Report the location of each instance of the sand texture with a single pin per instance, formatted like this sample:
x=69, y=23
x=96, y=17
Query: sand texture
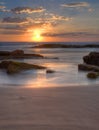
x=70, y=108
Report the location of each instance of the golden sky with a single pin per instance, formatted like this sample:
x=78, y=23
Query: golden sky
x=48, y=21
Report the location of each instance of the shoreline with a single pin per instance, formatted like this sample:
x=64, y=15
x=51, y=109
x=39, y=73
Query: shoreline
x=49, y=108
x=35, y=86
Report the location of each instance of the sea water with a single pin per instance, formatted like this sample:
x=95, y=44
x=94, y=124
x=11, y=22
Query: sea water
x=65, y=67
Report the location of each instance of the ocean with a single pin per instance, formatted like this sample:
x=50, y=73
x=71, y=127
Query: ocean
x=65, y=67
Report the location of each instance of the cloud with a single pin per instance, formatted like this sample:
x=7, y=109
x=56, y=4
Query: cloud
x=15, y=20
x=12, y=32
x=29, y=10
x=18, y=26
x=2, y=7
x=4, y=10
x=61, y=18
x=71, y=34
x=90, y=10
x=20, y=10
x=12, y=29
x=51, y=19
x=18, y=23
x=75, y=5
x=15, y=28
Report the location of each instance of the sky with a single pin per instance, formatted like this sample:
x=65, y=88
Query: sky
x=49, y=20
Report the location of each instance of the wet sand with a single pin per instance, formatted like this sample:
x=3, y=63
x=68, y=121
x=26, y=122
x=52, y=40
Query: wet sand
x=66, y=108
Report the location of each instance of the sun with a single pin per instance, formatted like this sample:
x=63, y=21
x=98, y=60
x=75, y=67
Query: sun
x=37, y=36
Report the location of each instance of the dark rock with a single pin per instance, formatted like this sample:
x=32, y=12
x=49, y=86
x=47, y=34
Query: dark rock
x=33, y=55
x=15, y=67
x=4, y=53
x=18, y=54
x=57, y=58
x=92, y=75
x=25, y=56
x=50, y=71
x=86, y=67
x=49, y=46
x=5, y=64
x=92, y=58
x=56, y=45
x=91, y=64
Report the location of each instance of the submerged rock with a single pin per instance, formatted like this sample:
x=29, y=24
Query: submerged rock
x=4, y=53
x=50, y=71
x=56, y=45
x=5, y=64
x=18, y=54
x=92, y=75
x=86, y=67
x=15, y=67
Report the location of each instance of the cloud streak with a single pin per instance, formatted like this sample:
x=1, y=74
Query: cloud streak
x=29, y=10
x=71, y=34
x=75, y=5
x=15, y=20
x=61, y=18
x=12, y=32
x=2, y=7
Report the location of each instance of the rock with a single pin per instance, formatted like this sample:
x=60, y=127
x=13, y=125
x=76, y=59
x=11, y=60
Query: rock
x=92, y=75
x=15, y=67
x=49, y=46
x=4, y=53
x=92, y=58
x=50, y=71
x=86, y=67
x=91, y=64
x=5, y=64
x=25, y=56
x=33, y=56
x=57, y=58
x=56, y=45
x=17, y=53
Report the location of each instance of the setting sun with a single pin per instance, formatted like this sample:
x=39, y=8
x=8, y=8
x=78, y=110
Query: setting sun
x=37, y=36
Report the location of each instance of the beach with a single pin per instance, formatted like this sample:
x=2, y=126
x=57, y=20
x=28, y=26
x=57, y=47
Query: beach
x=36, y=100
x=49, y=65
x=65, y=108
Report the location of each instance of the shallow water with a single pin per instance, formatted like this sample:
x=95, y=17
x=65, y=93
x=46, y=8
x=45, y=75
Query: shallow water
x=66, y=74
